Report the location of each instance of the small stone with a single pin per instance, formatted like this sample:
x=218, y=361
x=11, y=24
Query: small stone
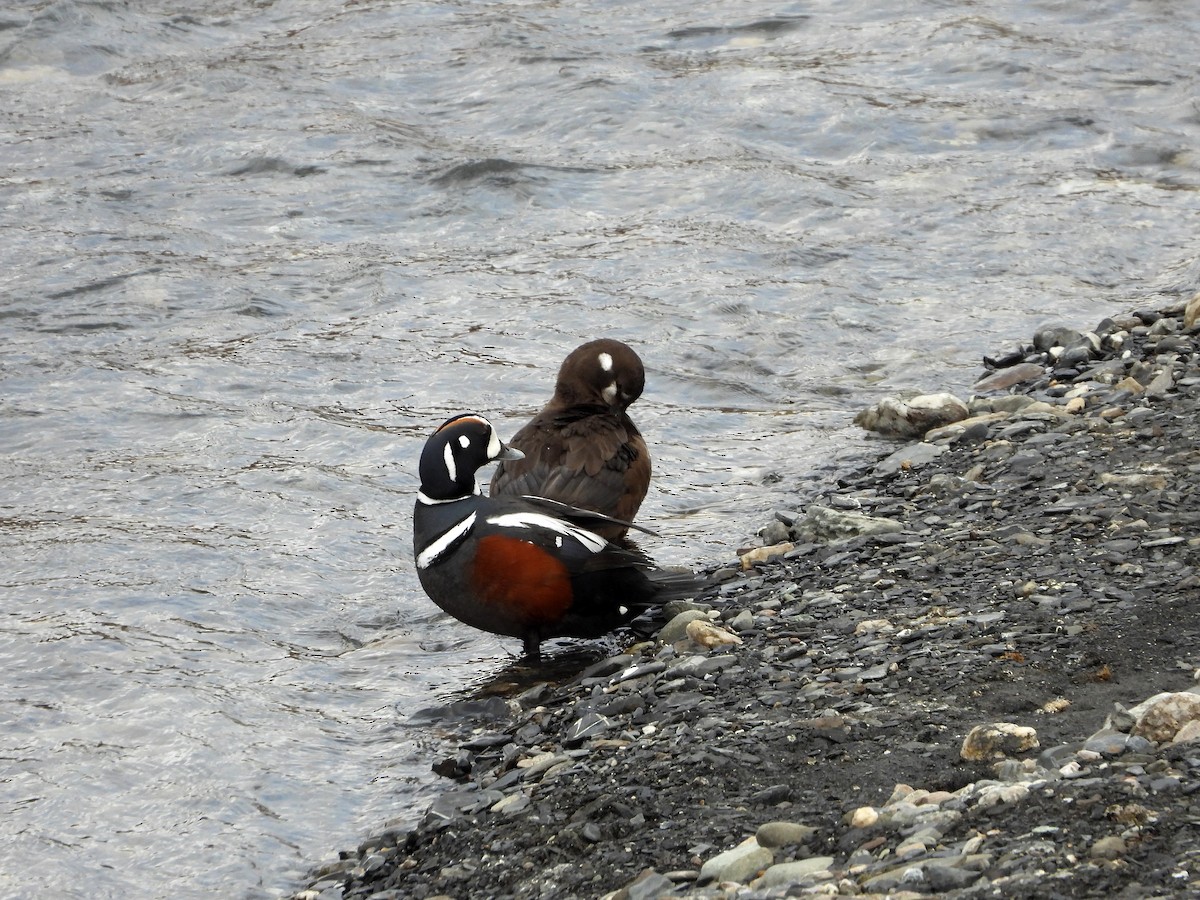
x=762, y=554
x=743, y=621
x=706, y=634
x=511, y=805
x=782, y=834
x=997, y=740
x=787, y=873
x=911, y=418
x=648, y=885
x=1006, y=378
x=1134, y=482
x=942, y=878
x=911, y=457
x=1130, y=385
x=740, y=864
x=1107, y=742
x=676, y=629
x=1188, y=733
x=864, y=817
x=588, y=725
x=1160, y=384
x=1110, y=847
x=824, y=525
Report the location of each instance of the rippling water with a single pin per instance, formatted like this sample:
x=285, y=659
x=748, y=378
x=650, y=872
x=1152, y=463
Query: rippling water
x=252, y=254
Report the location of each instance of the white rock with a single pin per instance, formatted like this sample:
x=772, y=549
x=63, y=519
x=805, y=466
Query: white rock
x=740, y=864
x=911, y=418
x=1162, y=716
x=997, y=740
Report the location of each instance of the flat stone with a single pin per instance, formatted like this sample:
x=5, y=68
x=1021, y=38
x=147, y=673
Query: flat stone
x=782, y=874
x=782, y=834
x=911, y=457
x=740, y=863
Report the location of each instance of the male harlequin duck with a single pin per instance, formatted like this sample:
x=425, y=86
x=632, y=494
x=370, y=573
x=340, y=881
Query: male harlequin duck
x=582, y=449
x=522, y=566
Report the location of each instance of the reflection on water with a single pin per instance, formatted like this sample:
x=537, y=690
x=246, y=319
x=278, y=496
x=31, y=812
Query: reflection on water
x=254, y=253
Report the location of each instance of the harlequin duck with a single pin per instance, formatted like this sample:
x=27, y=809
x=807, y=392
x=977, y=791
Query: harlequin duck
x=522, y=566
x=582, y=449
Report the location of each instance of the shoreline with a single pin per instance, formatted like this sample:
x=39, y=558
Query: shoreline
x=1031, y=570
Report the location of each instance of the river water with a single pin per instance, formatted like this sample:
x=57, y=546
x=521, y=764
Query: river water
x=252, y=254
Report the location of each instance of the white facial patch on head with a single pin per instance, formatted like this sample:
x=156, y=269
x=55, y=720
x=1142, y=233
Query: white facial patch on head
x=494, y=448
x=589, y=539
x=606, y=362
x=451, y=468
x=464, y=441
x=609, y=393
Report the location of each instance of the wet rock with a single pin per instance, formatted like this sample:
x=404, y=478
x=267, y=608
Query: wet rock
x=911, y=418
x=908, y=458
x=822, y=524
x=1191, y=314
x=1010, y=377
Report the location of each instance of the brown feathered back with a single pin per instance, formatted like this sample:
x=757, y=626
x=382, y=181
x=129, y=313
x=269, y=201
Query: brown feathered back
x=582, y=448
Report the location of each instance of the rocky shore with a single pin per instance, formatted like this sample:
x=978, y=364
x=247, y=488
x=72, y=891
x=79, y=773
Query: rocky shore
x=969, y=671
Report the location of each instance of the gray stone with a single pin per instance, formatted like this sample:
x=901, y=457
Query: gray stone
x=740, y=864
x=822, y=524
x=943, y=878
x=782, y=874
x=676, y=629
x=648, y=886
x=781, y=834
x=911, y=457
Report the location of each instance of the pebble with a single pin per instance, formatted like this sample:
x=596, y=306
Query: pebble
x=782, y=834
x=997, y=740
x=912, y=418
x=740, y=863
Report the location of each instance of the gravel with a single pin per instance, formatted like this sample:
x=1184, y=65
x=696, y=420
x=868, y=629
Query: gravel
x=967, y=671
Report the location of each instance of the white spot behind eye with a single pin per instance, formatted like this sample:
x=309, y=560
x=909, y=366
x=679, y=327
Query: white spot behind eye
x=606, y=362
x=464, y=441
x=609, y=393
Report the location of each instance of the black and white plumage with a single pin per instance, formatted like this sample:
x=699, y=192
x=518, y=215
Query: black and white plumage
x=522, y=566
